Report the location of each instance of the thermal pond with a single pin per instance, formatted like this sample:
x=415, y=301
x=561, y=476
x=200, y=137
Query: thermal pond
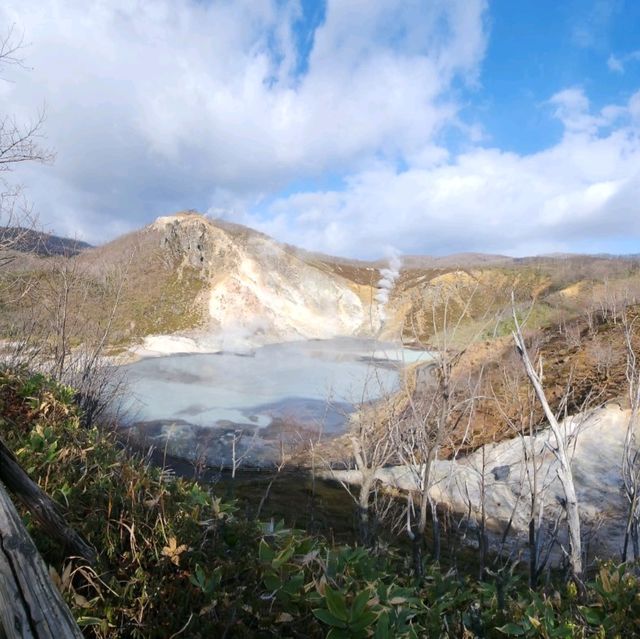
x=215, y=407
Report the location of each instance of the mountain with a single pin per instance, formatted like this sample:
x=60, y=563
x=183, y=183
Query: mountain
x=38, y=243
x=221, y=285
x=256, y=285
x=188, y=283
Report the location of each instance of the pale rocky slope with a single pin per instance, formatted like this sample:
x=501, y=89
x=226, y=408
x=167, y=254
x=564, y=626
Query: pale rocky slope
x=258, y=291
x=253, y=290
x=597, y=440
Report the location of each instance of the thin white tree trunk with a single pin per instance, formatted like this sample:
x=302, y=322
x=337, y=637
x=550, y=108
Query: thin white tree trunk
x=631, y=452
x=564, y=467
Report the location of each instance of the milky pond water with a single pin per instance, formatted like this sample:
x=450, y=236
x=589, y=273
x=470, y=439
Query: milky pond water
x=211, y=407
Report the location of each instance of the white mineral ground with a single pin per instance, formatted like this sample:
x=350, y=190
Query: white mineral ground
x=596, y=449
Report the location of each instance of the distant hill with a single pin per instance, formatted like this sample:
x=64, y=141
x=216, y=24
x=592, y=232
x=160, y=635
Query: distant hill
x=456, y=260
x=39, y=243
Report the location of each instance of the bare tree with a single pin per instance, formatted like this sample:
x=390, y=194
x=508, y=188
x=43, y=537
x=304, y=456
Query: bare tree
x=560, y=451
x=572, y=333
x=604, y=356
x=370, y=448
x=631, y=450
x=440, y=405
x=77, y=320
x=239, y=456
x=516, y=404
x=18, y=141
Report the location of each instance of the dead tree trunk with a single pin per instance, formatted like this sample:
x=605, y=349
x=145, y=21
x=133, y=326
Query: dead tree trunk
x=42, y=507
x=631, y=451
x=365, y=517
x=30, y=605
x=565, y=474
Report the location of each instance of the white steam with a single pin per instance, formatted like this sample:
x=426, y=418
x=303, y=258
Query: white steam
x=388, y=277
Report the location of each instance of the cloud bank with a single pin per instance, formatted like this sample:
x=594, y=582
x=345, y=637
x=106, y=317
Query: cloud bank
x=331, y=135
x=585, y=187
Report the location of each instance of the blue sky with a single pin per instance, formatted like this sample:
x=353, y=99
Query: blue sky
x=351, y=127
x=539, y=48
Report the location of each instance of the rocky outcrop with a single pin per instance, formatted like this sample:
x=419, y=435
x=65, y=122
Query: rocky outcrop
x=260, y=291
x=194, y=242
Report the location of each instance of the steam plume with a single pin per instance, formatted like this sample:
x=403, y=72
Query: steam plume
x=388, y=277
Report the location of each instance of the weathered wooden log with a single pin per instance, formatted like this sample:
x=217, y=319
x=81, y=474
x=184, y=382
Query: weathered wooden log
x=31, y=606
x=42, y=507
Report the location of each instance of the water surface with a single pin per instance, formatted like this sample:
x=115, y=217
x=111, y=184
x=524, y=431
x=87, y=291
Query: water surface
x=203, y=403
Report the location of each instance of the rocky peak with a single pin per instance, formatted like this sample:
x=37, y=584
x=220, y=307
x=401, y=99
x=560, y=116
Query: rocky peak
x=195, y=242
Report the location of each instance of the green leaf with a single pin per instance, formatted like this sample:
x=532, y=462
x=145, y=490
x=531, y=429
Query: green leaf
x=565, y=631
x=593, y=616
x=359, y=604
x=283, y=557
x=272, y=582
x=382, y=627
x=326, y=617
x=364, y=621
x=83, y=622
x=265, y=552
x=294, y=585
x=198, y=579
x=512, y=629
x=336, y=603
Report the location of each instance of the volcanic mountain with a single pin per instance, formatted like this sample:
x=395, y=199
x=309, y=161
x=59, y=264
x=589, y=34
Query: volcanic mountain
x=187, y=283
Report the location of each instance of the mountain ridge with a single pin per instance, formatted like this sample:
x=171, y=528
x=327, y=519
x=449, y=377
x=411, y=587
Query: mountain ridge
x=26, y=240
x=43, y=243
x=194, y=283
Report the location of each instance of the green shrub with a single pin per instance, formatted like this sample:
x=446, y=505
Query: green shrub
x=175, y=558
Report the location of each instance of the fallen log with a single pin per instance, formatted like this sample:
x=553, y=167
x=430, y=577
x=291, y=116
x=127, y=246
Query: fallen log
x=31, y=606
x=44, y=510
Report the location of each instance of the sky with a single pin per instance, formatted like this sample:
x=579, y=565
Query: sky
x=352, y=127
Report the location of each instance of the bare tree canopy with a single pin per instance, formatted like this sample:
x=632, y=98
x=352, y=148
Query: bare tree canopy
x=19, y=143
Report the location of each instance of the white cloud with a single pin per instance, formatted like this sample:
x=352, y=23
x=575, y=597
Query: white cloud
x=573, y=109
x=586, y=186
x=591, y=27
x=617, y=64
x=167, y=104
x=158, y=106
